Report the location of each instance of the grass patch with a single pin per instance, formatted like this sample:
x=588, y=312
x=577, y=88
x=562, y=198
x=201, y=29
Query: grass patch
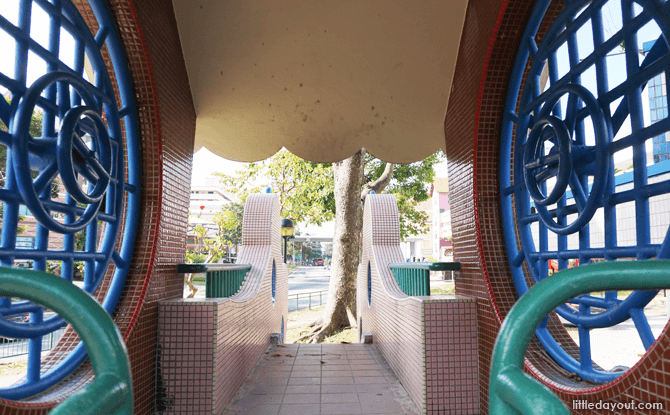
x=199, y=280
x=444, y=289
x=299, y=321
x=17, y=367
x=308, y=315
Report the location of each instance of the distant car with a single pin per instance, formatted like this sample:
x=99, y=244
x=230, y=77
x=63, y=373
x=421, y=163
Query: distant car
x=319, y=262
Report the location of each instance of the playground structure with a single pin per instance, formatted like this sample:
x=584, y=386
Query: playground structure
x=533, y=145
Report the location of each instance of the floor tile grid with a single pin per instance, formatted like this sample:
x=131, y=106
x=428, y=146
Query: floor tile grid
x=370, y=387
x=297, y=397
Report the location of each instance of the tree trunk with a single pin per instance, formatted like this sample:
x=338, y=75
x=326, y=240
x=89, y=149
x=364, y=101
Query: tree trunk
x=188, y=280
x=341, y=309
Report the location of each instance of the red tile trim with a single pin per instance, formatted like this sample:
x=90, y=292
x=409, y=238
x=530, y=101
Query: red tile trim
x=478, y=233
x=159, y=134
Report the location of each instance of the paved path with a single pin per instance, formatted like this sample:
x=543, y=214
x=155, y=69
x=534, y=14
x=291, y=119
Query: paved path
x=299, y=379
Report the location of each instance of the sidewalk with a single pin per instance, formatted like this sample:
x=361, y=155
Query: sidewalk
x=300, y=379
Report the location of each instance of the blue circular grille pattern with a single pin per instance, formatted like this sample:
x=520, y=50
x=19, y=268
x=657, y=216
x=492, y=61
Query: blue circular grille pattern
x=578, y=184
x=70, y=160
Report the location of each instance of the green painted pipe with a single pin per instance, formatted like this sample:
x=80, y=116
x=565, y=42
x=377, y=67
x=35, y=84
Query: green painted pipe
x=111, y=392
x=510, y=390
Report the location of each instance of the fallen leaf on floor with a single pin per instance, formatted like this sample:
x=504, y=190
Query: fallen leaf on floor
x=276, y=354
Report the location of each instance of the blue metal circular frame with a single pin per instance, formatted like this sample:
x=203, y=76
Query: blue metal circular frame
x=89, y=144
x=543, y=139
x=538, y=167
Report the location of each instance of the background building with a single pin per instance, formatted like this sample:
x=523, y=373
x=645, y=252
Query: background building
x=658, y=109
x=436, y=243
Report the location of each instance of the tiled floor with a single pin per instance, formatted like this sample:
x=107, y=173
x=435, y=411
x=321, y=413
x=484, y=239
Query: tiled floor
x=301, y=379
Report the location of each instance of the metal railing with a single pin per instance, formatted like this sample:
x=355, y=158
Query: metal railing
x=513, y=392
x=307, y=302
x=221, y=280
x=111, y=392
x=16, y=347
x=413, y=278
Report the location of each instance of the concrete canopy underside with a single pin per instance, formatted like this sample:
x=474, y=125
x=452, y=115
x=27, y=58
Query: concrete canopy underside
x=323, y=79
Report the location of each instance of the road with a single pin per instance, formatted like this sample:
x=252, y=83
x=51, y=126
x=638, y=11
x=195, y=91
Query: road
x=307, y=280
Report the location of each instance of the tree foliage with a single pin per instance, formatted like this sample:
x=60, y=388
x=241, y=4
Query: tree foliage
x=410, y=184
x=304, y=188
x=228, y=233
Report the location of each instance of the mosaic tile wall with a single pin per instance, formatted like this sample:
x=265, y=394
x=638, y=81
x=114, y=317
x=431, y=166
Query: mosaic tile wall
x=209, y=346
x=472, y=129
x=429, y=342
x=167, y=128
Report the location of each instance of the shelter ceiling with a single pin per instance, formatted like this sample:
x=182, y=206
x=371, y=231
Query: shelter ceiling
x=321, y=78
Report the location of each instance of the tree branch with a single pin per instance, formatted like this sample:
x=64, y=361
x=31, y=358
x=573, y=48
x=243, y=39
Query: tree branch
x=380, y=184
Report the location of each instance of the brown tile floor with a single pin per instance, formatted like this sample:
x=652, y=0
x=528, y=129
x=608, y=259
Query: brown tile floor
x=324, y=379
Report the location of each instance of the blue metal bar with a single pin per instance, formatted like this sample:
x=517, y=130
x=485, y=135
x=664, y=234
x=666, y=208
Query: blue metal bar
x=67, y=264
x=617, y=252
x=642, y=326
x=35, y=255
x=634, y=99
x=657, y=51
x=55, y=10
x=22, y=38
x=594, y=301
x=584, y=342
x=19, y=308
x=613, y=42
x=34, y=351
